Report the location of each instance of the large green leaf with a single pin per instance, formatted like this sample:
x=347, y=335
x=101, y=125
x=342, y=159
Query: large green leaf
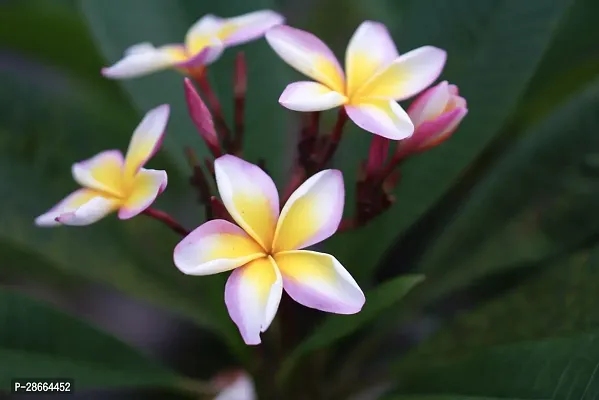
x=166, y=21
x=494, y=48
x=336, y=327
x=558, y=299
x=537, y=201
x=557, y=368
x=39, y=341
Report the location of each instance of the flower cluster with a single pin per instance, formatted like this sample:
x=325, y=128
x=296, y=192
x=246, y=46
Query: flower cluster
x=249, y=230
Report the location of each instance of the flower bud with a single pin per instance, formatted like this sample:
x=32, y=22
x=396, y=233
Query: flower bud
x=200, y=115
x=436, y=114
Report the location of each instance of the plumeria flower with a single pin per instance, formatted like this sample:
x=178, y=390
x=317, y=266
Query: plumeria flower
x=204, y=43
x=234, y=385
x=112, y=182
x=377, y=77
x=436, y=113
x=265, y=249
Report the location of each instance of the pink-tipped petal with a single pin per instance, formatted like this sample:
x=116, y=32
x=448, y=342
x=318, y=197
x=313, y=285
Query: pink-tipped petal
x=310, y=96
x=143, y=59
x=146, y=139
x=249, y=26
x=307, y=54
x=204, y=28
x=430, y=103
x=213, y=247
x=250, y=197
x=92, y=211
x=210, y=51
x=319, y=281
x=370, y=50
x=384, y=118
x=312, y=213
x=252, y=296
x=69, y=204
x=200, y=115
x=102, y=172
x=146, y=186
x=407, y=76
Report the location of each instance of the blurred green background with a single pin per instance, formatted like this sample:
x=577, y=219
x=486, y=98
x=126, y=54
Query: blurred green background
x=502, y=219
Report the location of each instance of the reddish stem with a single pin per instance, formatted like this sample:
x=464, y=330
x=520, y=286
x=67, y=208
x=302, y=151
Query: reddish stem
x=166, y=219
x=389, y=168
x=240, y=89
x=334, y=139
x=346, y=225
x=214, y=104
x=297, y=177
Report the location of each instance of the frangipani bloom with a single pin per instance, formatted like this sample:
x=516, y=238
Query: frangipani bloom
x=264, y=249
x=436, y=113
x=204, y=43
x=377, y=77
x=111, y=181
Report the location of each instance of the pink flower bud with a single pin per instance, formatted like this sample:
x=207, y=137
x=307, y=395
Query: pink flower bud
x=200, y=115
x=436, y=114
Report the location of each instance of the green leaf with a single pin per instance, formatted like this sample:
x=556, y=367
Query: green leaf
x=39, y=341
x=494, y=48
x=537, y=201
x=557, y=299
x=166, y=21
x=336, y=327
x=557, y=368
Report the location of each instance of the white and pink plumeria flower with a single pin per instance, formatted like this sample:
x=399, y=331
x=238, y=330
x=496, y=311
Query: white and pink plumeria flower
x=264, y=249
x=112, y=182
x=376, y=76
x=436, y=114
x=204, y=43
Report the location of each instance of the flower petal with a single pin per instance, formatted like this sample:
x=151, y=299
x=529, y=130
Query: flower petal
x=90, y=212
x=214, y=247
x=310, y=96
x=207, y=26
x=82, y=207
x=70, y=203
x=252, y=296
x=143, y=58
x=384, y=118
x=146, y=186
x=318, y=280
x=307, y=54
x=249, y=26
x=430, y=103
x=236, y=385
x=102, y=172
x=312, y=213
x=206, y=52
x=407, y=76
x=370, y=49
x=250, y=196
x=146, y=139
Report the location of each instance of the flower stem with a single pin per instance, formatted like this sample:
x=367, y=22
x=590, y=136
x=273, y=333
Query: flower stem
x=239, y=89
x=199, y=181
x=334, y=139
x=166, y=219
x=214, y=104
